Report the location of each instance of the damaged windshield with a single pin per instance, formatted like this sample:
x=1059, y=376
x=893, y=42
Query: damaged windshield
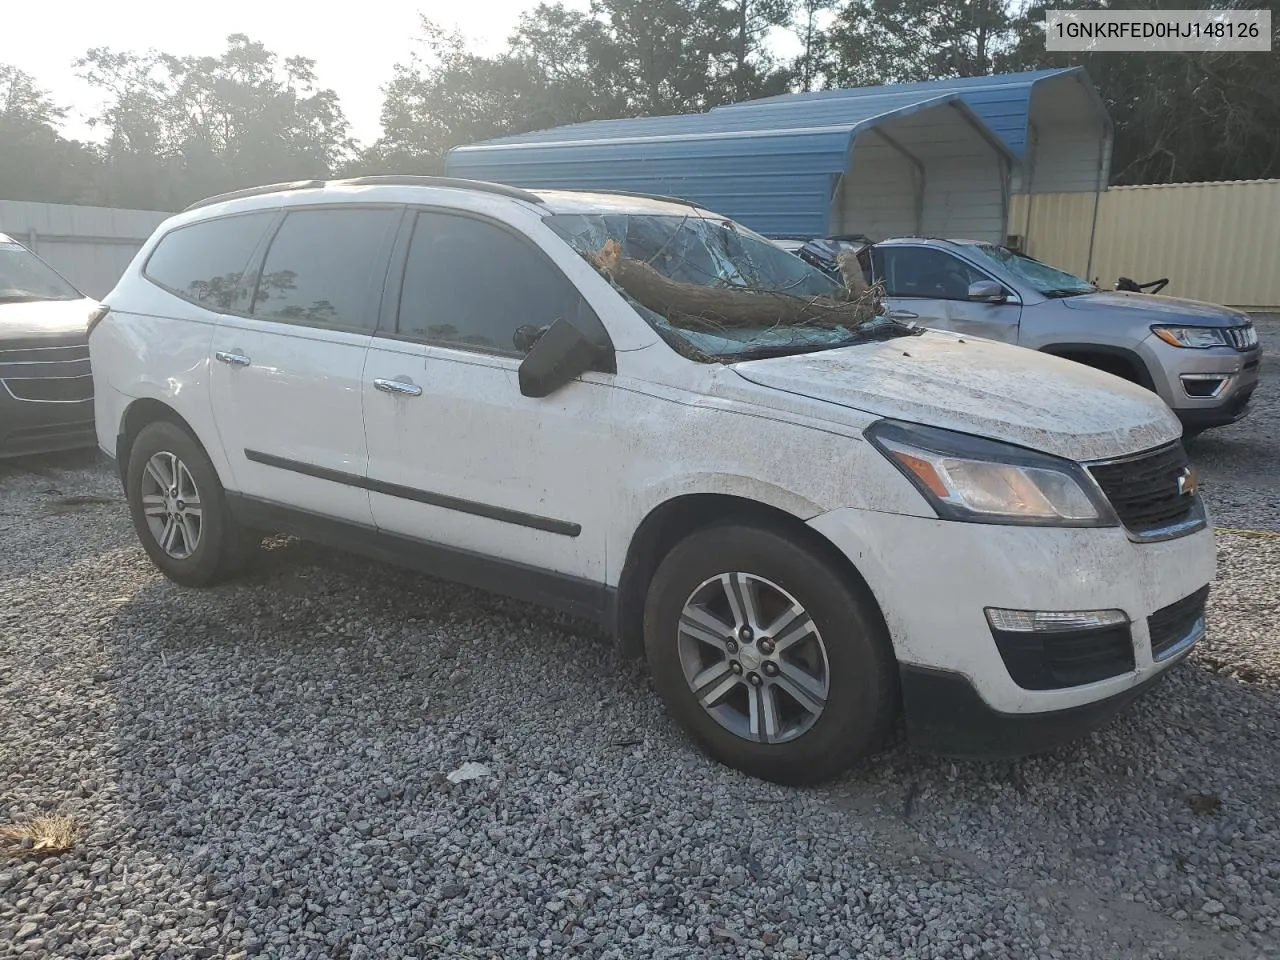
x=24, y=277
x=716, y=291
x=1048, y=280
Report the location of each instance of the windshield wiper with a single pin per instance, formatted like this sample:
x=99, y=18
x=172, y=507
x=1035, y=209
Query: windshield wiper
x=21, y=297
x=1060, y=292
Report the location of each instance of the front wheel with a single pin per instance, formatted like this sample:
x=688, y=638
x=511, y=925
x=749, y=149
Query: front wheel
x=767, y=656
x=179, y=508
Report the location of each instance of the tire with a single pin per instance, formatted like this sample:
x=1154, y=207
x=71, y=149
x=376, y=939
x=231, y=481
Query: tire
x=851, y=651
x=221, y=548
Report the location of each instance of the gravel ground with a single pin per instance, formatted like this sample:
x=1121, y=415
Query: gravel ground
x=259, y=769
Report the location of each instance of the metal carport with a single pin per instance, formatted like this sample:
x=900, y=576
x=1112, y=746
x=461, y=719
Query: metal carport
x=892, y=163
x=1053, y=121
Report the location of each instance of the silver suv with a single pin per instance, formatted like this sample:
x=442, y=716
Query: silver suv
x=1202, y=359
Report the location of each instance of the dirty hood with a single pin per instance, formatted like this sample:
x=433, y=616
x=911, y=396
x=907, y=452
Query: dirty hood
x=979, y=387
x=1157, y=309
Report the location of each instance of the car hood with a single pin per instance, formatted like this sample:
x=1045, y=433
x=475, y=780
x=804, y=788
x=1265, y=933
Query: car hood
x=1157, y=308
x=40, y=321
x=980, y=387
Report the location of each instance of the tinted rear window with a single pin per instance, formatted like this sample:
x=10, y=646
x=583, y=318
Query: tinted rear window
x=203, y=263
x=322, y=267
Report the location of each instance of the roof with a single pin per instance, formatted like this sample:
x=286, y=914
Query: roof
x=1002, y=101
x=731, y=122
x=773, y=170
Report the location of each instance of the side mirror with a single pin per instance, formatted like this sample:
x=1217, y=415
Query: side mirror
x=987, y=291
x=557, y=355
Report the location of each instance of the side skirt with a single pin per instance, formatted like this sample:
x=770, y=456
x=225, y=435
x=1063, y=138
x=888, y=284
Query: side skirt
x=573, y=595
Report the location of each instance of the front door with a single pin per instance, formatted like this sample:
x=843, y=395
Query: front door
x=287, y=372
x=457, y=455
x=930, y=287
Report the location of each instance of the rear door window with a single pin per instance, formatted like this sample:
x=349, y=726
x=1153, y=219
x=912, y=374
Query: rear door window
x=325, y=267
x=204, y=262
x=470, y=283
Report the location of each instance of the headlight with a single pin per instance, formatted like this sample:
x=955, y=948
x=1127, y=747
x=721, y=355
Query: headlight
x=1198, y=338
x=983, y=481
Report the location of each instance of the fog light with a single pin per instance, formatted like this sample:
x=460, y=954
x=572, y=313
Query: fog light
x=1052, y=621
x=1204, y=386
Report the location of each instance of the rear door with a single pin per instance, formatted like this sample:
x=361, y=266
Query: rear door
x=930, y=286
x=288, y=364
x=457, y=455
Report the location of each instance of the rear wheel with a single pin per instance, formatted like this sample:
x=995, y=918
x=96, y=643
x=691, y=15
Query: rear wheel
x=179, y=508
x=766, y=656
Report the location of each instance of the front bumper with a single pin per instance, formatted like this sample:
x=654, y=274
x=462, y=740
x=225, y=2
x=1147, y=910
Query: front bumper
x=933, y=580
x=946, y=715
x=1180, y=373
x=28, y=427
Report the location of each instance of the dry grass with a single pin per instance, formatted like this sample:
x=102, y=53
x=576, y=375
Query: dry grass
x=38, y=837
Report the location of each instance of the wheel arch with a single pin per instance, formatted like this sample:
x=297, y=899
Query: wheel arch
x=674, y=519
x=1113, y=359
x=137, y=415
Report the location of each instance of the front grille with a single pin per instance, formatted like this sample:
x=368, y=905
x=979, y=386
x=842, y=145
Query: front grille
x=50, y=374
x=1176, y=622
x=1066, y=658
x=34, y=354
x=1243, y=338
x=50, y=389
x=1146, y=491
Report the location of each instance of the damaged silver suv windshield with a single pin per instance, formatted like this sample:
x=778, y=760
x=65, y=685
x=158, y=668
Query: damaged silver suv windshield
x=716, y=291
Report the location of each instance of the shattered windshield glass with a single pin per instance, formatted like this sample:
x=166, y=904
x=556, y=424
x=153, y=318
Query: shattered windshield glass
x=709, y=284
x=1049, y=281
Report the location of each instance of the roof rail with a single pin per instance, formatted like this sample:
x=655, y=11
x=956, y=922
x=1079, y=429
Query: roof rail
x=412, y=180
x=389, y=180
x=628, y=193
x=257, y=191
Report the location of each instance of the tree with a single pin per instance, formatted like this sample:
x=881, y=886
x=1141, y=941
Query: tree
x=179, y=128
x=1178, y=116
x=750, y=22
x=894, y=41
x=36, y=161
x=445, y=96
x=812, y=63
x=624, y=58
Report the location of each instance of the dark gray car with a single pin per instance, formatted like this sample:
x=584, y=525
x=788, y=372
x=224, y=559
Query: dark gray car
x=46, y=390
x=1201, y=359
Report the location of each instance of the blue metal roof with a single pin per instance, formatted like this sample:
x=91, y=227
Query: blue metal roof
x=1002, y=101
x=772, y=168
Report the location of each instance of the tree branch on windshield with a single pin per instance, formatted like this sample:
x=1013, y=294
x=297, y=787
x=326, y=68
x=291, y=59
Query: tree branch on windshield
x=698, y=307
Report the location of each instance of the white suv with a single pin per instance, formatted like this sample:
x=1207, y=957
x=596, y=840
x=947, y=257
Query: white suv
x=805, y=530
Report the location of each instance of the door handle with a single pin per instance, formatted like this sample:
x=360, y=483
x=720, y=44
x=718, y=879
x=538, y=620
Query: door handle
x=400, y=387
x=902, y=315
x=235, y=359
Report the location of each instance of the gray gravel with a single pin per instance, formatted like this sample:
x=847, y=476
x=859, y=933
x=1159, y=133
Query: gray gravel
x=260, y=769
x=1238, y=464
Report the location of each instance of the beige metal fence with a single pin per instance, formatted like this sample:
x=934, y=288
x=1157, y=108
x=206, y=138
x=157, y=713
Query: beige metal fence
x=1214, y=241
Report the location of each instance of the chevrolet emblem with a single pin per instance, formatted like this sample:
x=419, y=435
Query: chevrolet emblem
x=1187, y=482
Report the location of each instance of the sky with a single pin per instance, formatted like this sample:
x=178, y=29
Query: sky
x=354, y=44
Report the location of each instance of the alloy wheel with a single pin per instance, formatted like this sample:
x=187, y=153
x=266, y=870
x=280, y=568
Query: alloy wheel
x=753, y=657
x=171, y=505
